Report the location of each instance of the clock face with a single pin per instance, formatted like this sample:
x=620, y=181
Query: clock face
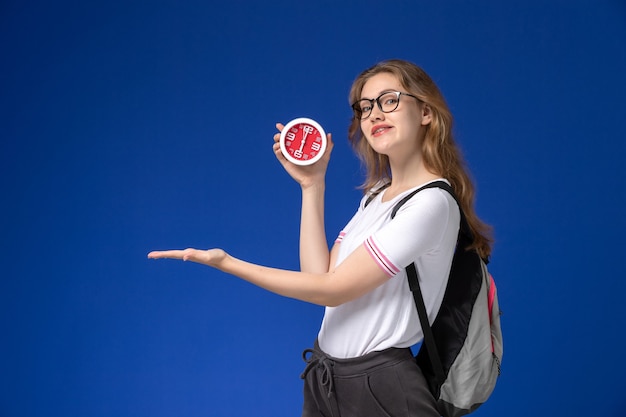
x=303, y=141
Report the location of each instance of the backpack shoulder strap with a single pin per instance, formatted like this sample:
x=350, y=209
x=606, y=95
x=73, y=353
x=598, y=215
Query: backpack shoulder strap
x=418, y=298
x=435, y=184
x=375, y=193
x=464, y=226
x=427, y=331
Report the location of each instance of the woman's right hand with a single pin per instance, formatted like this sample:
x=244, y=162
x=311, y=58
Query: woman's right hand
x=307, y=175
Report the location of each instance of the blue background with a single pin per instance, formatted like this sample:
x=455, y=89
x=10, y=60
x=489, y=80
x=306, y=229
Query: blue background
x=132, y=126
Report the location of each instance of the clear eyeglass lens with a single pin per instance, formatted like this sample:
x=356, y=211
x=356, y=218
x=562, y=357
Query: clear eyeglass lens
x=365, y=106
x=389, y=101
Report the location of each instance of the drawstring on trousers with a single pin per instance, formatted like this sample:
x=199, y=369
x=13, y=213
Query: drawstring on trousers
x=322, y=362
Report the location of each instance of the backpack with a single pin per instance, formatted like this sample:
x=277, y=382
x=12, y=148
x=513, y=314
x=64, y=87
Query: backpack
x=461, y=353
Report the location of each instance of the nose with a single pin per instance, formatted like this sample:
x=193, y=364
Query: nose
x=377, y=113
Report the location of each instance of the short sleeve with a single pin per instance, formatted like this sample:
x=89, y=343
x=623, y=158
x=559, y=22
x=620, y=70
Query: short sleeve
x=418, y=229
x=352, y=221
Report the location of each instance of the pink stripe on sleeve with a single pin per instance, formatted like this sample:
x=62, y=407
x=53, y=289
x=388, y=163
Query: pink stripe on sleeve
x=378, y=256
x=340, y=237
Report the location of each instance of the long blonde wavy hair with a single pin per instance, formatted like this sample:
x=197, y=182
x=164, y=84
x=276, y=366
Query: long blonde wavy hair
x=439, y=151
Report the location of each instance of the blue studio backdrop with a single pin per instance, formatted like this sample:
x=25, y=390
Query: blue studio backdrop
x=133, y=126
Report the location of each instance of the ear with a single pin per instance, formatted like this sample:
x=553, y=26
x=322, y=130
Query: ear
x=427, y=114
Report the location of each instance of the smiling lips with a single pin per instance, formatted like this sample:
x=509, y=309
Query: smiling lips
x=379, y=129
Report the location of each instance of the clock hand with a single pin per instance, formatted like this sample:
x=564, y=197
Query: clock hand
x=306, y=130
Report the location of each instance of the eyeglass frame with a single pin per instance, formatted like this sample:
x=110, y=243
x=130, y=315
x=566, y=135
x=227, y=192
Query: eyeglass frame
x=380, y=106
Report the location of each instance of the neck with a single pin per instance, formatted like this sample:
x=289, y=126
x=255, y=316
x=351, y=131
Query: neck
x=406, y=174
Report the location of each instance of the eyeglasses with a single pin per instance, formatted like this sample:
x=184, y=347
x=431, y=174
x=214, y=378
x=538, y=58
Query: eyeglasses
x=387, y=102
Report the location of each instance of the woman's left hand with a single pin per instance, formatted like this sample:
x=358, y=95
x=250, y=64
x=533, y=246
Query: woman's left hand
x=211, y=257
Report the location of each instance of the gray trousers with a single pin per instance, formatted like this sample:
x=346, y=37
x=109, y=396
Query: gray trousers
x=379, y=384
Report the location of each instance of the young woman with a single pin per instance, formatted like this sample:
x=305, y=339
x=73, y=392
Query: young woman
x=361, y=364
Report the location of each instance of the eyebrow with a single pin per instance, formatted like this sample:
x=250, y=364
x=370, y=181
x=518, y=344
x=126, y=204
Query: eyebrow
x=388, y=90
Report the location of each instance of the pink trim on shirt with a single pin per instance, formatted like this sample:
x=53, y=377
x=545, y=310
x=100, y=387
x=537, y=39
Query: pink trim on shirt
x=340, y=237
x=378, y=256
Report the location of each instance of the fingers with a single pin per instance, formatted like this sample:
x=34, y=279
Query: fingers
x=171, y=254
x=276, y=146
x=280, y=128
x=329, y=147
x=210, y=257
x=278, y=152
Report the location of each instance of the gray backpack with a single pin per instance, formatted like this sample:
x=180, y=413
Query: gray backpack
x=462, y=350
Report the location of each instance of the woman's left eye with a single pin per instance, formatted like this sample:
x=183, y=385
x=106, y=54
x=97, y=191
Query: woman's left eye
x=391, y=100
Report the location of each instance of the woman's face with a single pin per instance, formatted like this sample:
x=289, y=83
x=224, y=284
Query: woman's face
x=399, y=131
